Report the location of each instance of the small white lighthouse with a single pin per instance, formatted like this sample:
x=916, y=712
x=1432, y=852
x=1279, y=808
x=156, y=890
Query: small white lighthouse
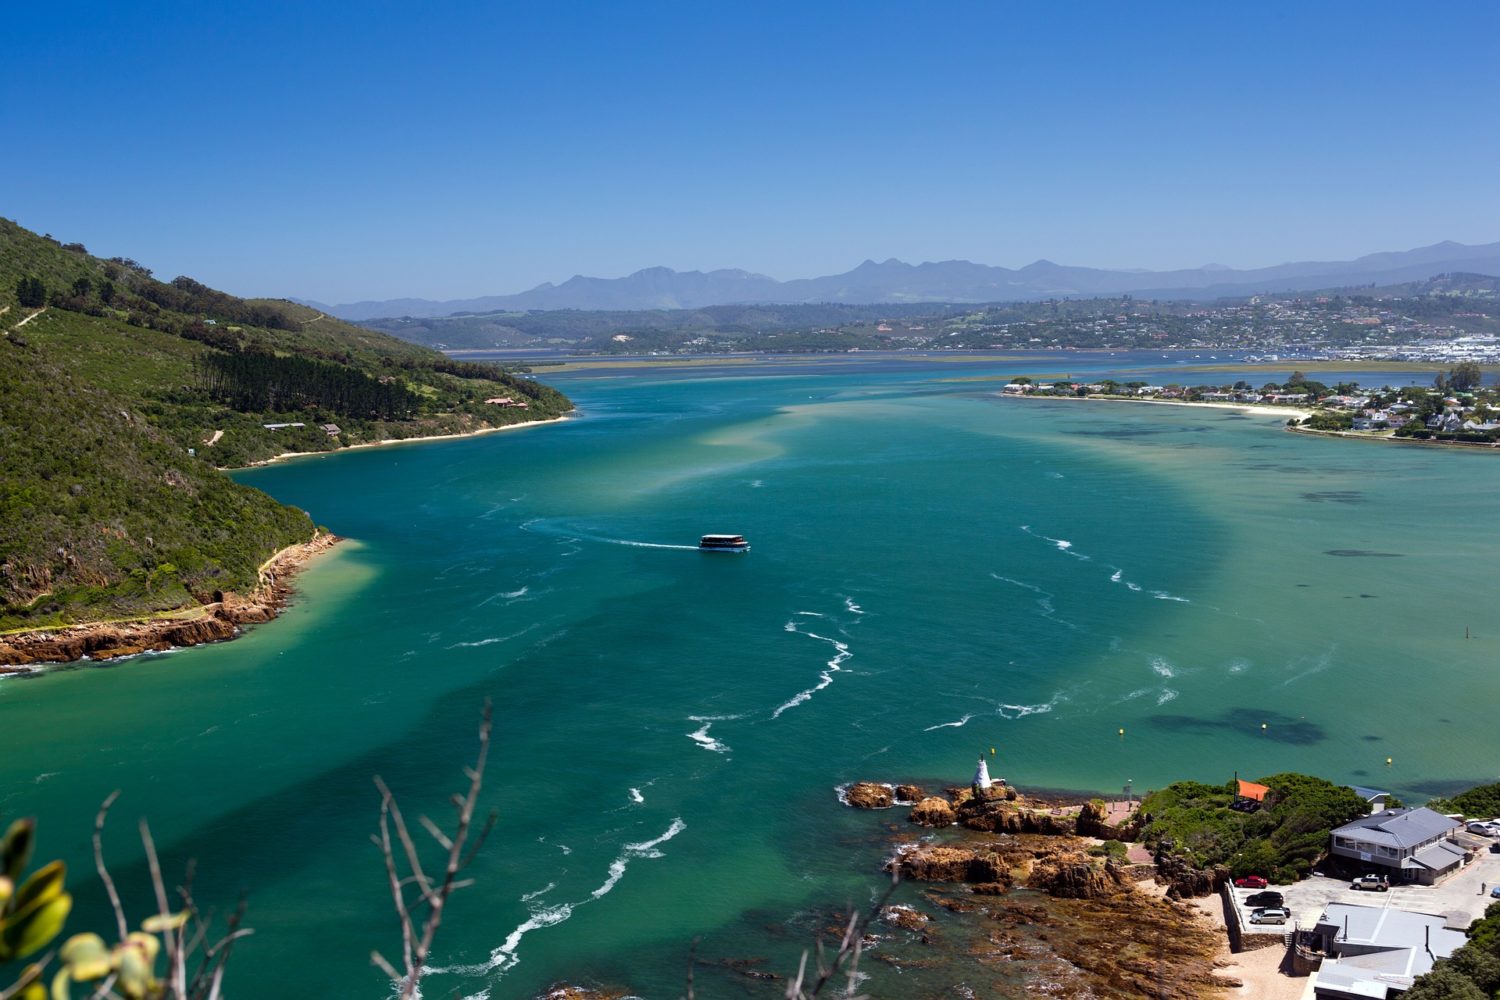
x=982, y=775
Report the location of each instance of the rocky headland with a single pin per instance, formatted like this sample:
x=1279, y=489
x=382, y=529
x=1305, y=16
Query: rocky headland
x=1034, y=893
x=219, y=619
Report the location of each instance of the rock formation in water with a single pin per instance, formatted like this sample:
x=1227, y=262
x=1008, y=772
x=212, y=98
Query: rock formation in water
x=870, y=795
x=933, y=811
x=1005, y=813
x=1076, y=875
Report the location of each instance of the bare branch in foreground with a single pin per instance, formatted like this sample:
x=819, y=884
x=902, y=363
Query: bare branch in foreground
x=421, y=916
x=846, y=959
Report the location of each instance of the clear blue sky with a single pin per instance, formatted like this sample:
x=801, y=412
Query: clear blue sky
x=375, y=150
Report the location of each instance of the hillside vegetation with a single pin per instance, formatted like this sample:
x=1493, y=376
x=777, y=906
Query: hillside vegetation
x=1281, y=841
x=121, y=396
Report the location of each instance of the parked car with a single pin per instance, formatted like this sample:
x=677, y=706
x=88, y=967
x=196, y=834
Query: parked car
x=1483, y=829
x=1251, y=882
x=1495, y=892
x=1374, y=883
x=1270, y=915
x=1265, y=899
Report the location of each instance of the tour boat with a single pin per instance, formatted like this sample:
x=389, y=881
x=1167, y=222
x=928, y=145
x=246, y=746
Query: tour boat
x=723, y=543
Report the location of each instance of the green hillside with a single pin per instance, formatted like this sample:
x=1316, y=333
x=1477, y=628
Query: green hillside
x=121, y=396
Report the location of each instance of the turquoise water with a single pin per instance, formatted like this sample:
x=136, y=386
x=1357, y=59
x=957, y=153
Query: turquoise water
x=935, y=571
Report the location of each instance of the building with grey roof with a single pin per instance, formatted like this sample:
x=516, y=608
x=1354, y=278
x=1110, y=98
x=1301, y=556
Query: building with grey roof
x=1375, y=951
x=1405, y=845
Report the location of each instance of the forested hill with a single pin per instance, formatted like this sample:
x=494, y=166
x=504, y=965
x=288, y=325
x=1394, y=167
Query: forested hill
x=121, y=396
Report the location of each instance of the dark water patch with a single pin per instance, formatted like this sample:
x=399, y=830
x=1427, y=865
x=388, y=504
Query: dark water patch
x=1367, y=596
x=1235, y=416
x=1120, y=432
x=1362, y=554
x=1334, y=496
x=1361, y=773
x=1372, y=738
x=1280, y=728
x=1293, y=470
x=1304, y=585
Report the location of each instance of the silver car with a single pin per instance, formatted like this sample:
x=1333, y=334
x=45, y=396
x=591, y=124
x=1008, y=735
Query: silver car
x=1270, y=915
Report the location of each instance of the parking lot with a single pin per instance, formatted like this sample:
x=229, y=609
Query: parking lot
x=1460, y=896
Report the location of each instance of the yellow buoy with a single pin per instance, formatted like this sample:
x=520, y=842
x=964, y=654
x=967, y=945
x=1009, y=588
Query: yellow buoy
x=992, y=751
x=1122, y=730
x=1387, y=762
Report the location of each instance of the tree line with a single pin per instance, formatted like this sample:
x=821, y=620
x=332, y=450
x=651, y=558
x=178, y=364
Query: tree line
x=261, y=382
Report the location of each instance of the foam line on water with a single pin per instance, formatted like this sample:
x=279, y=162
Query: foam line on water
x=496, y=639
x=505, y=595
x=700, y=736
x=1061, y=544
x=825, y=677
x=1009, y=711
x=1043, y=601
x=504, y=957
x=954, y=725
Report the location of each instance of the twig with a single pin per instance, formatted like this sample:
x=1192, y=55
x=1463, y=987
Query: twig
x=171, y=936
x=416, y=946
x=850, y=945
x=109, y=883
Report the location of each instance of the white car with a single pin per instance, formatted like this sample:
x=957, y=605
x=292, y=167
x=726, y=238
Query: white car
x=1484, y=829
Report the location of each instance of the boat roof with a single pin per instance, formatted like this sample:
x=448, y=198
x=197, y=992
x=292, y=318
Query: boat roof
x=724, y=536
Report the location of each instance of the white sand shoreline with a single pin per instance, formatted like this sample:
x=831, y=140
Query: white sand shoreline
x=1273, y=410
x=387, y=442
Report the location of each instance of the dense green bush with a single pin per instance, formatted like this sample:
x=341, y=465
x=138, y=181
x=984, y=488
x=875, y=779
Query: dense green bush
x=1282, y=840
x=1479, y=801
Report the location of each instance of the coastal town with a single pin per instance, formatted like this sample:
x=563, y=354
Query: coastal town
x=1456, y=409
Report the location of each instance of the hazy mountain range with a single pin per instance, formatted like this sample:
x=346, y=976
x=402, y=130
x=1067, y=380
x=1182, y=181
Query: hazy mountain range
x=943, y=281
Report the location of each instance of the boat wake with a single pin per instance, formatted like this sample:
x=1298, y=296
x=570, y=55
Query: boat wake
x=541, y=526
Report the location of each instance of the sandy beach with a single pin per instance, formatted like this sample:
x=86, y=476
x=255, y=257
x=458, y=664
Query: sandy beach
x=387, y=442
x=1281, y=411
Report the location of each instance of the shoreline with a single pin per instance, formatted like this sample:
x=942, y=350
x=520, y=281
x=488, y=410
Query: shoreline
x=388, y=442
x=30, y=652
x=1290, y=411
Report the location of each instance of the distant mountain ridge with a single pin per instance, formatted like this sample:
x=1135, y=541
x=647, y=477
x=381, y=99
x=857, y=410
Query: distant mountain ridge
x=895, y=281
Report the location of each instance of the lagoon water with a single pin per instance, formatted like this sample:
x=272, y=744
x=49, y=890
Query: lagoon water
x=935, y=571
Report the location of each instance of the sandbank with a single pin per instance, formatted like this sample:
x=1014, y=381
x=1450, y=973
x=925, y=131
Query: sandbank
x=1276, y=410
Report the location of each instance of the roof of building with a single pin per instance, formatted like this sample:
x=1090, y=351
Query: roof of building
x=1439, y=857
x=1250, y=790
x=1399, y=827
x=1403, y=938
x=1368, y=794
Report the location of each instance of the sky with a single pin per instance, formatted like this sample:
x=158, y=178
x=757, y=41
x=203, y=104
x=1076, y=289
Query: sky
x=372, y=150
